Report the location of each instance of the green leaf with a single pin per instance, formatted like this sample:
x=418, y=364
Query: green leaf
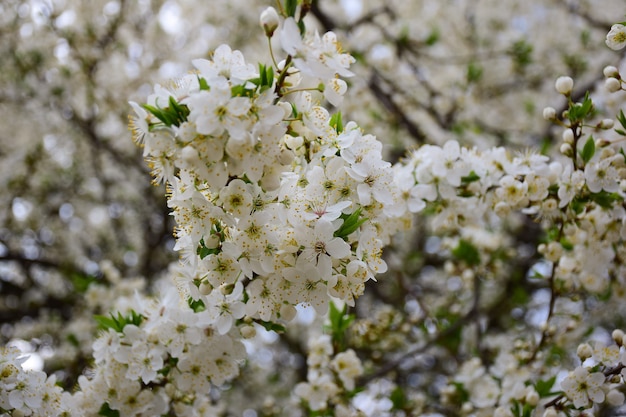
x=106, y=411
x=474, y=72
x=106, y=322
x=351, y=222
x=81, y=282
x=73, y=340
x=340, y=321
x=466, y=251
x=471, y=177
x=118, y=323
x=521, y=53
x=290, y=7
x=196, y=305
x=433, y=37
x=174, y=114
x=203, y=84
x=566, y=244
x=336, y=122
x=271, y=326
x=543, y=387
x=588, y=150
x=398, y=398
x=622, y=119
x=579, y=111
x=605, y=199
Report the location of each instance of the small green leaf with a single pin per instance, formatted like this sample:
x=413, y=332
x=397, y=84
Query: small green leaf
x=118, y=323
x=203, y=84
x=588, y=150
x=196, y=305
x=605, y=199
x=271, y=326
x=81, y=282
x=340, y=321
x=106, y=411
x=622, y=119
x=106, y=322
x=543, y=387
x=433, y=37
x=467, y=252
x=471, y=177
x=474, y=72
x=398, y=398
x=521, y=53
x=566, y=244
x=290, y=7
x=336, y=122
x=351, y=222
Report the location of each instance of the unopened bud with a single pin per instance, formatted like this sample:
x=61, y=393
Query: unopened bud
x=205, y=287
x=532, y=398
x=564, y=85
x=606, y=124
x=612, y=85
x=610, y=71
x=550, y=412
x=269, y=21
x=615, y=398
x=618, y=336
x=584, y=351
x=566, y=149
x=247, y=332
x=568, y=136
x=549, y=113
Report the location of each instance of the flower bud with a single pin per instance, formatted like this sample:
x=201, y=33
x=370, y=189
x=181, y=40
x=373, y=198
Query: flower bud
x=568, y=136
x=584, y=351
x=618, y=336
x=566, y=149
x=205, y=287
x=610, y=71
x=564, y=85
x=532, y=398
x=615, y=398
x=606, y=124
x=550, y=412
x=612, y=85
x=269, y=21
x=247, y=332
x=549, y=113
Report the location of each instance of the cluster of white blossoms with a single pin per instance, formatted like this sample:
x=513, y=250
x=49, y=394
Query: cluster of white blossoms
x=328, y=375
x=278, y=204
x=579, y=202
